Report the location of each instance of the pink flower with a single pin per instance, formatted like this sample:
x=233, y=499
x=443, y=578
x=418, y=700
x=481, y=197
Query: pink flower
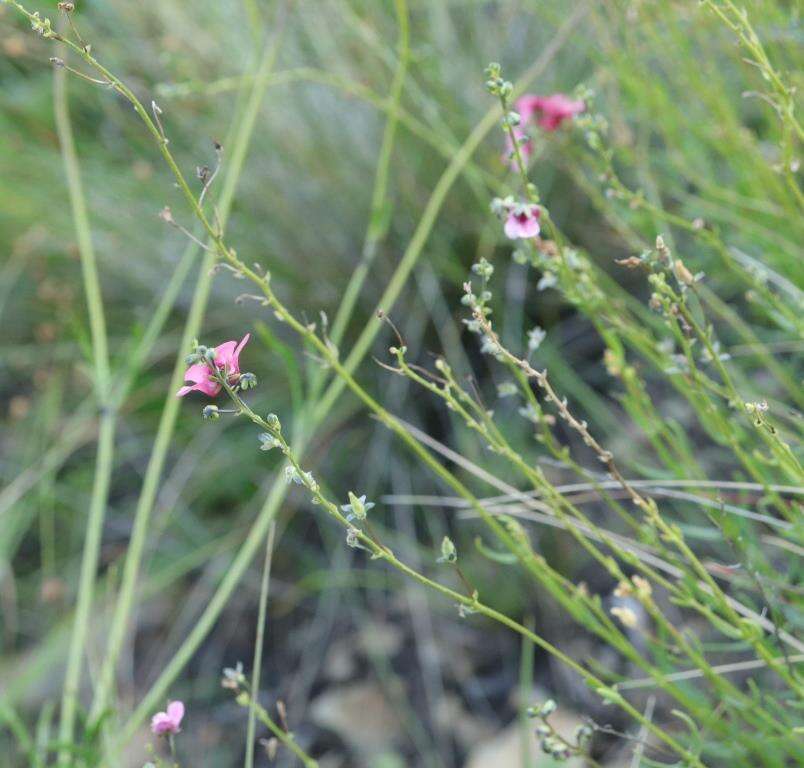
x=550, y=111
x=227, y=358
x=523, y=221
x=169, y=721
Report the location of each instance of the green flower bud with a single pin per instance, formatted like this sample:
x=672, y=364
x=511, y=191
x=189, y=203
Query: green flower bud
x=448, y=552
x=547, y=708
x=247, y=381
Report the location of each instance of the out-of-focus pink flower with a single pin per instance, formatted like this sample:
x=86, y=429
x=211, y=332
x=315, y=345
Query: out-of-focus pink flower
x=523, y=221
x=227, y=358
x=168, y=721
x=550, y=111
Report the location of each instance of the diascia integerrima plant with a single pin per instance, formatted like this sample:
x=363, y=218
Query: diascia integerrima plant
x=662, y=576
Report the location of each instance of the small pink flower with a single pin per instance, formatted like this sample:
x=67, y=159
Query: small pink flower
x=550, y=111
x=227, y=357
x=523, y=221
x=168, y=721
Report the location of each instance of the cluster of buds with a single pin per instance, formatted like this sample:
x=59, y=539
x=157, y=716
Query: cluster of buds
x=483, y=269
x=41, y=26
x=638, y=586
x=292, y=475
x=660, y=259
x=247, y=381
x=495, y=84
x=200, y=354
x=478, y=304
x=550, y=741
x=233, y=678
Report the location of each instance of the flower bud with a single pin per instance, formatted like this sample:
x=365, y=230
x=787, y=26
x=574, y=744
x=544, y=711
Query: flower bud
x=448, y=552
x=211, y=412
x=247, y=381
x=267, y=442
x=547, y=708
x=583, y=734
x=357, y=505
x=683, y=275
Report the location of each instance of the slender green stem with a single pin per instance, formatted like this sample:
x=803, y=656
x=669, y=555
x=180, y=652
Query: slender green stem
x=249, y=698
x=120, y=622
x=379, y=216
x=460, y=160
x=453, y=171
x=471, y=602
x=262, y=611
x=104, y=463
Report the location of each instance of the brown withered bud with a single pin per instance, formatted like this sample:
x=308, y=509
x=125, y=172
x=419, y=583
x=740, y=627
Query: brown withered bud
x=283, y=714
x=632, y=262
x=66, y=7
x=271, y=747
x=662, y=249
x=683, y=275
x=547, y=247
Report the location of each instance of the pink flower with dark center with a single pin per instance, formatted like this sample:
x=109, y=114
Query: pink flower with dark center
x=169, y=721
x=523, y=221
x=227, y=358
x=550, y=111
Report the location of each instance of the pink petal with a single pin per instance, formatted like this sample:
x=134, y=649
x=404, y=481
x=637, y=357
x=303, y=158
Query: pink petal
x=511, y=227
x=175, y=711
x=227, y=355
x=197, y=373
x=161, y=723
x=523, y=224
x=530, y=228
x=528, y=104
x=224, y=354
x=200, y=376
x=242, y=344
x=555, y=109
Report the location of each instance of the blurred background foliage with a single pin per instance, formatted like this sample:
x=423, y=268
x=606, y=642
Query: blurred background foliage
x=371, y=670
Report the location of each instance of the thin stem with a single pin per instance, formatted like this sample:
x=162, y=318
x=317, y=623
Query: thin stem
x=378, y=217
x=471, y=602
x=104, y=462
x=249, y=698
x=258, y=643
x=245, y=125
